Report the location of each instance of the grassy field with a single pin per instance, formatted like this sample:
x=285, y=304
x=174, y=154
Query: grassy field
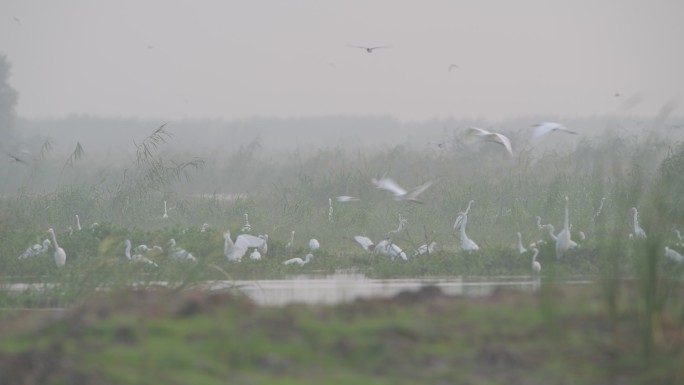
x=557, y=335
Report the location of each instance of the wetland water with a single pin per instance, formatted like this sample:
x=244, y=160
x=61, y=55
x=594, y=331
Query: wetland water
x=346, y=287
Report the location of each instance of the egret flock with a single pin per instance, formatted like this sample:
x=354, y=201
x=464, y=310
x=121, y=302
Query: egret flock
x=256, y=247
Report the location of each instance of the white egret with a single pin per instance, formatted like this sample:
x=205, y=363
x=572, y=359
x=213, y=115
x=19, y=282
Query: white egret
x=673, y=255
x=290, y=244
x=552, y=231
x=263, y=249
x=467, y=210
x=204, y=228
x=426, y=248
x=536, y=266
x=563, y=241
x=539, y=225
x=234, y=251
x=399, y=192
x=78, y=223
x=639, y=233
x=166, y=212
x=330, y=210
x=247, y=227
x=369, y=49
x=679, y=237
x=544, y=128
x=255, y=255
x=136, y=257
x=365, y=242
x=179, y=253
x=582, y=236
x=600, y=208
x=35, y=250
x=346, y=199
x=313, y=244
x=60, y=254
x=494, y=137
x=467, y=244
x=521, y=248
x=299, y=261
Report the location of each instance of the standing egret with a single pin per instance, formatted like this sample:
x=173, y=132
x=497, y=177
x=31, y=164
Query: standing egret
x=313, y=244
x=536, y=266
x=563, y=241
x=639, y=233
x=299, y=261
x=247, y=227
x=255, y=255
x=290, y=244
x=521, y=248
x=544, y=128
x=166, y=212
x=78, y=223
x=494, y=137
x=330, y=210
x=673, y=255
x=60, y=254
x=467, y=244
x=400, y=194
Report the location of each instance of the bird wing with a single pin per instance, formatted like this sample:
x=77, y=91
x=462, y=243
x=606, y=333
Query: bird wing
x=417, y=191
x=546, y=127
x=346, y=198
x=475, y=131
x=503, y=139
x=246, y=241
x=357, y=46
x=390, y=185
x=365, y=242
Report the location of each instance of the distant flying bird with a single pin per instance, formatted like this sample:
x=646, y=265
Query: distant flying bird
x=451, y=67
x=544, y=128
x=400, y=194
x=16, y=19
x=487, y=136
x=369, y=49
x=346, y=198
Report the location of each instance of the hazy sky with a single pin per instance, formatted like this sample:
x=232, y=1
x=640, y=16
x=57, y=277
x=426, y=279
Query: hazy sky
x=234, y=59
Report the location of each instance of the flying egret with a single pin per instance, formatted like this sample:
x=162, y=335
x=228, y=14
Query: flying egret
x=78, y=223
x=639, y=233
x=563, y=241
x=494, y=137
x=136, y=257
x=346, y=199
x=247, y=227
x=544, y=128
x=299, y=261
x=166, y=212
x=521, y=248
x=178, y=253
x=313, y=244
x=369, y=49
x=467, y=244
x=399, y=192
x=451, y=67
x=536, y=266
x=60, y=254
x=673, y=255
x=35, y=250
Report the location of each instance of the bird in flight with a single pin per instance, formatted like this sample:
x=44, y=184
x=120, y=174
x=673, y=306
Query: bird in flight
x=546, y=127
x=369, y=49
x=495, y=137
x=16, y=19
x=400, y=194
x=451, y=67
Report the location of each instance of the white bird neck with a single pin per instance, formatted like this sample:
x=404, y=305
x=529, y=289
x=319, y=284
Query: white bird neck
x=54, y=239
